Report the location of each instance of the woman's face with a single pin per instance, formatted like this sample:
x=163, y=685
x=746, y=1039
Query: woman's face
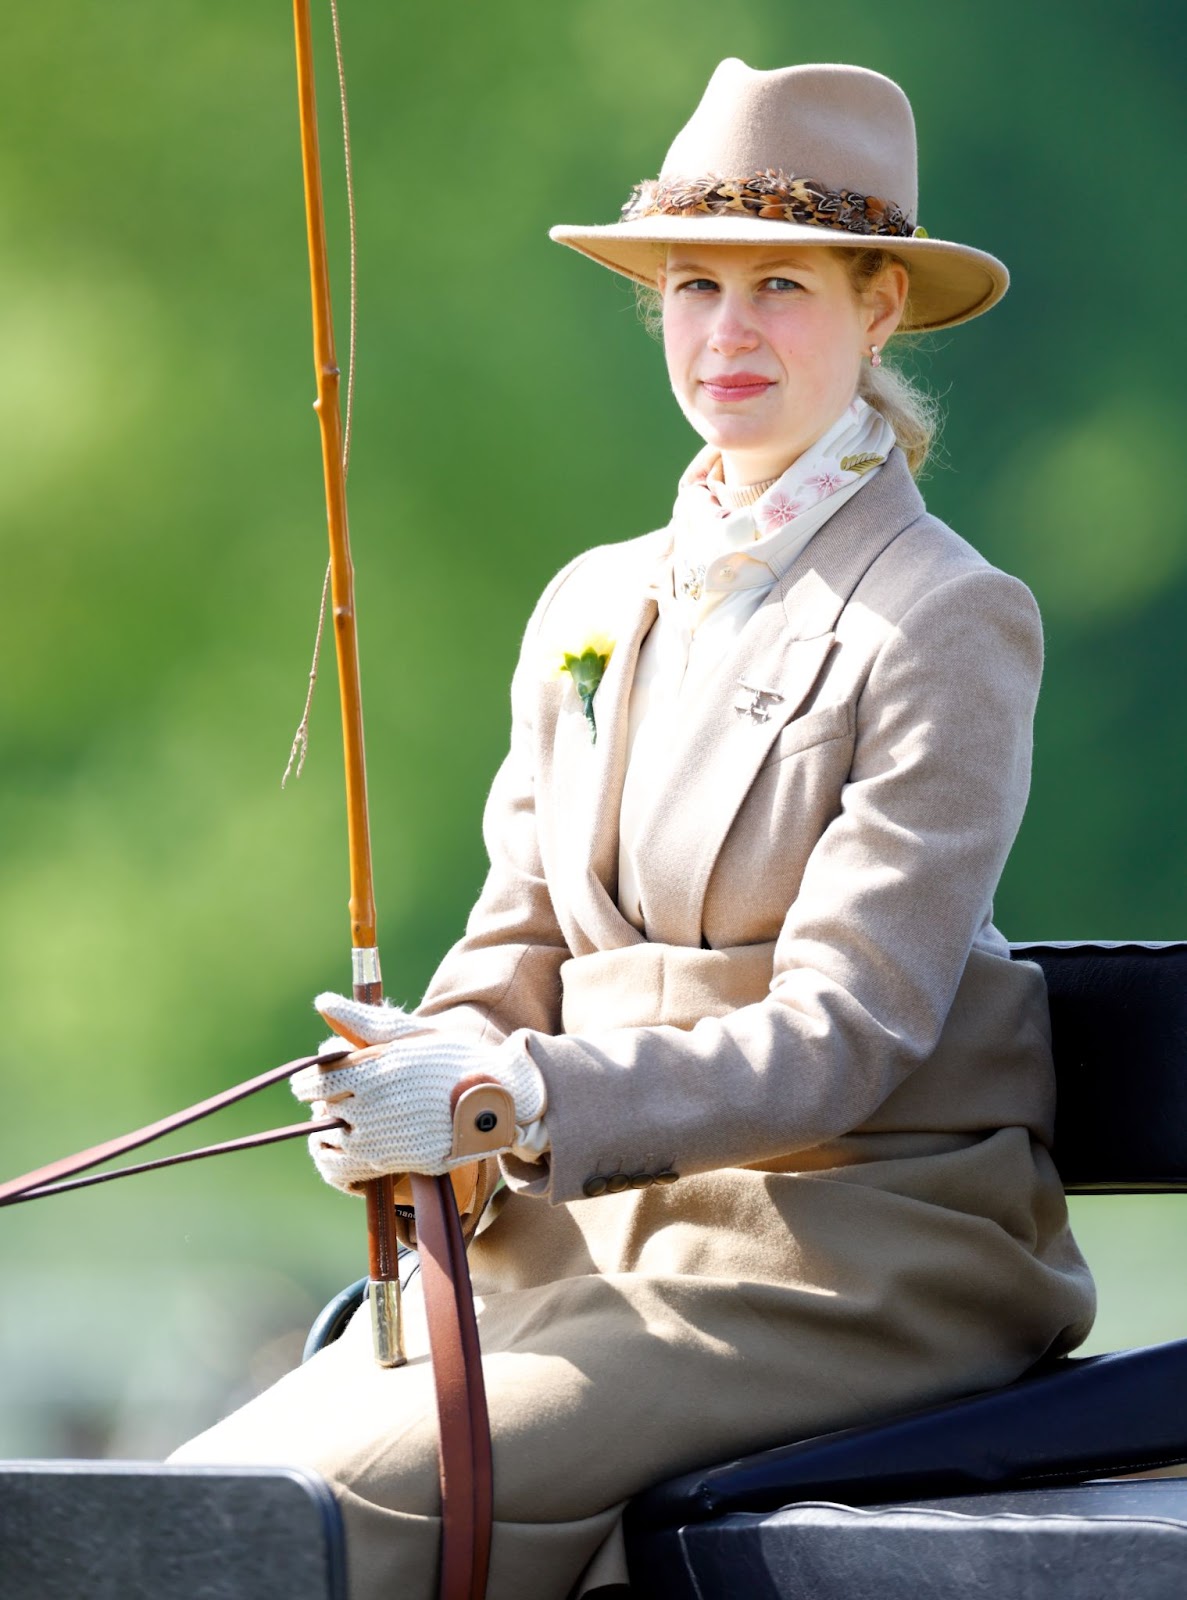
x=764, y=345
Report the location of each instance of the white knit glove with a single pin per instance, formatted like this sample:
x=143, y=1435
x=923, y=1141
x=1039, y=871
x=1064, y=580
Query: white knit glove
x=397, y=1100
x=361, y=1024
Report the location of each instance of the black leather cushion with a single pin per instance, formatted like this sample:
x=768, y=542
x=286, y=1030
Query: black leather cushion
x=1075, y=1419
x=1097, y=1542
x=130, y=1530
x=1119, y=1028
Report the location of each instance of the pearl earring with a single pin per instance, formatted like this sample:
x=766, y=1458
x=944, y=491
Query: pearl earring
x=875, y=358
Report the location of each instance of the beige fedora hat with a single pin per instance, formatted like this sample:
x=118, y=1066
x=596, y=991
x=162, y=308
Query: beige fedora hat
x=818, y=154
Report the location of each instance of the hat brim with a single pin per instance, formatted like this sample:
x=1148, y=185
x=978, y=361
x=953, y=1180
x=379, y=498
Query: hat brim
x=950, y=283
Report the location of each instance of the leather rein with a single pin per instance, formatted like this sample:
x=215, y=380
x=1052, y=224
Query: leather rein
x=56, y=1177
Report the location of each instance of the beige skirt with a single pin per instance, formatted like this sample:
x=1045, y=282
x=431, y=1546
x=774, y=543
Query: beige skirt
x=635, y=1336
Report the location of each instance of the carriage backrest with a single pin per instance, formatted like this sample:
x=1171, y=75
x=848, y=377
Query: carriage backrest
x=1119, y=1030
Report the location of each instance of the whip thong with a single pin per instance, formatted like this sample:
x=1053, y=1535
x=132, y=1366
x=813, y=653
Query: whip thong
x=465, y=1433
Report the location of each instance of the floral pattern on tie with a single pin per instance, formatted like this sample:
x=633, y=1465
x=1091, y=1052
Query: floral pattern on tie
x=778, y=510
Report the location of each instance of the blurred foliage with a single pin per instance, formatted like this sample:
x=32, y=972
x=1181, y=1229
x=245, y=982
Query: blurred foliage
x=166, y=911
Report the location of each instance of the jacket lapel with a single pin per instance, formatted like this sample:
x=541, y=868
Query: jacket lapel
x=781, y=650
x=591, y=794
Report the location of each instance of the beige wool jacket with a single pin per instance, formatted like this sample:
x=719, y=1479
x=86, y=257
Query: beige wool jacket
x=800, y=1117
x=817, y=967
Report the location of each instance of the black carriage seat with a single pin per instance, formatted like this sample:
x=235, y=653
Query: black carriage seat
x=1119, y=1024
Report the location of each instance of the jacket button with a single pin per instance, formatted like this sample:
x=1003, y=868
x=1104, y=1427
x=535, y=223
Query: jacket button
x=641, y=1180
x=617, y=1182
x=593, y=1187
x=666, y=1177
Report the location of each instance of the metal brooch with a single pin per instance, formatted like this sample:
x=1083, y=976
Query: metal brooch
x=756, y=703
x=692, y=582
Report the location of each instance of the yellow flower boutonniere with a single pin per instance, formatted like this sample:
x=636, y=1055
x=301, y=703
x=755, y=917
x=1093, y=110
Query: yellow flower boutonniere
x=586, y=667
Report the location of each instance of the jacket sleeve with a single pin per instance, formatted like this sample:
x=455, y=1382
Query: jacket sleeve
x=503, y=974
x=873, y=947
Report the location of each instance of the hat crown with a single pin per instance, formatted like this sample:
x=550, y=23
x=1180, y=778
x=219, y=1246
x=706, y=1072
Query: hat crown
x=846, y=127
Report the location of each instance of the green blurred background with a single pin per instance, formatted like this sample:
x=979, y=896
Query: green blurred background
x=166, y=912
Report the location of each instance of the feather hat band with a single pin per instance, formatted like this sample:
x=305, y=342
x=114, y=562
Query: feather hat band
x=820, y=154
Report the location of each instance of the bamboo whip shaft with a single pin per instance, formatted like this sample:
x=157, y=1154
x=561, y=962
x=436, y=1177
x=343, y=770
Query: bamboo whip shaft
x=368, y=984
x=329, y=413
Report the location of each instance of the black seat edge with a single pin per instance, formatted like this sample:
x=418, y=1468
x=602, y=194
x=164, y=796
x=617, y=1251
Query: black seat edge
x=1066, y=1421
x=1092, y=1542
x=150, y=1528
x=334, y=1316
x=1020, y=948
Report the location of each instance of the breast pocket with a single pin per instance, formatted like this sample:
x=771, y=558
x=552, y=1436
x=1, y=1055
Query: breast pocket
x=813, y=728
x=795, y=795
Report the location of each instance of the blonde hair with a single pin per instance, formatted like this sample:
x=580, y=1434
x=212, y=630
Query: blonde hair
x=913, y=413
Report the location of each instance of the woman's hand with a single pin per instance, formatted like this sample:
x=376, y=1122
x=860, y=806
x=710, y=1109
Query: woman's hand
x=361, y=1024
x=397, y=1101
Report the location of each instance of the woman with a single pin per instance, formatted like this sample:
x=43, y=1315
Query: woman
x=783, y=1101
